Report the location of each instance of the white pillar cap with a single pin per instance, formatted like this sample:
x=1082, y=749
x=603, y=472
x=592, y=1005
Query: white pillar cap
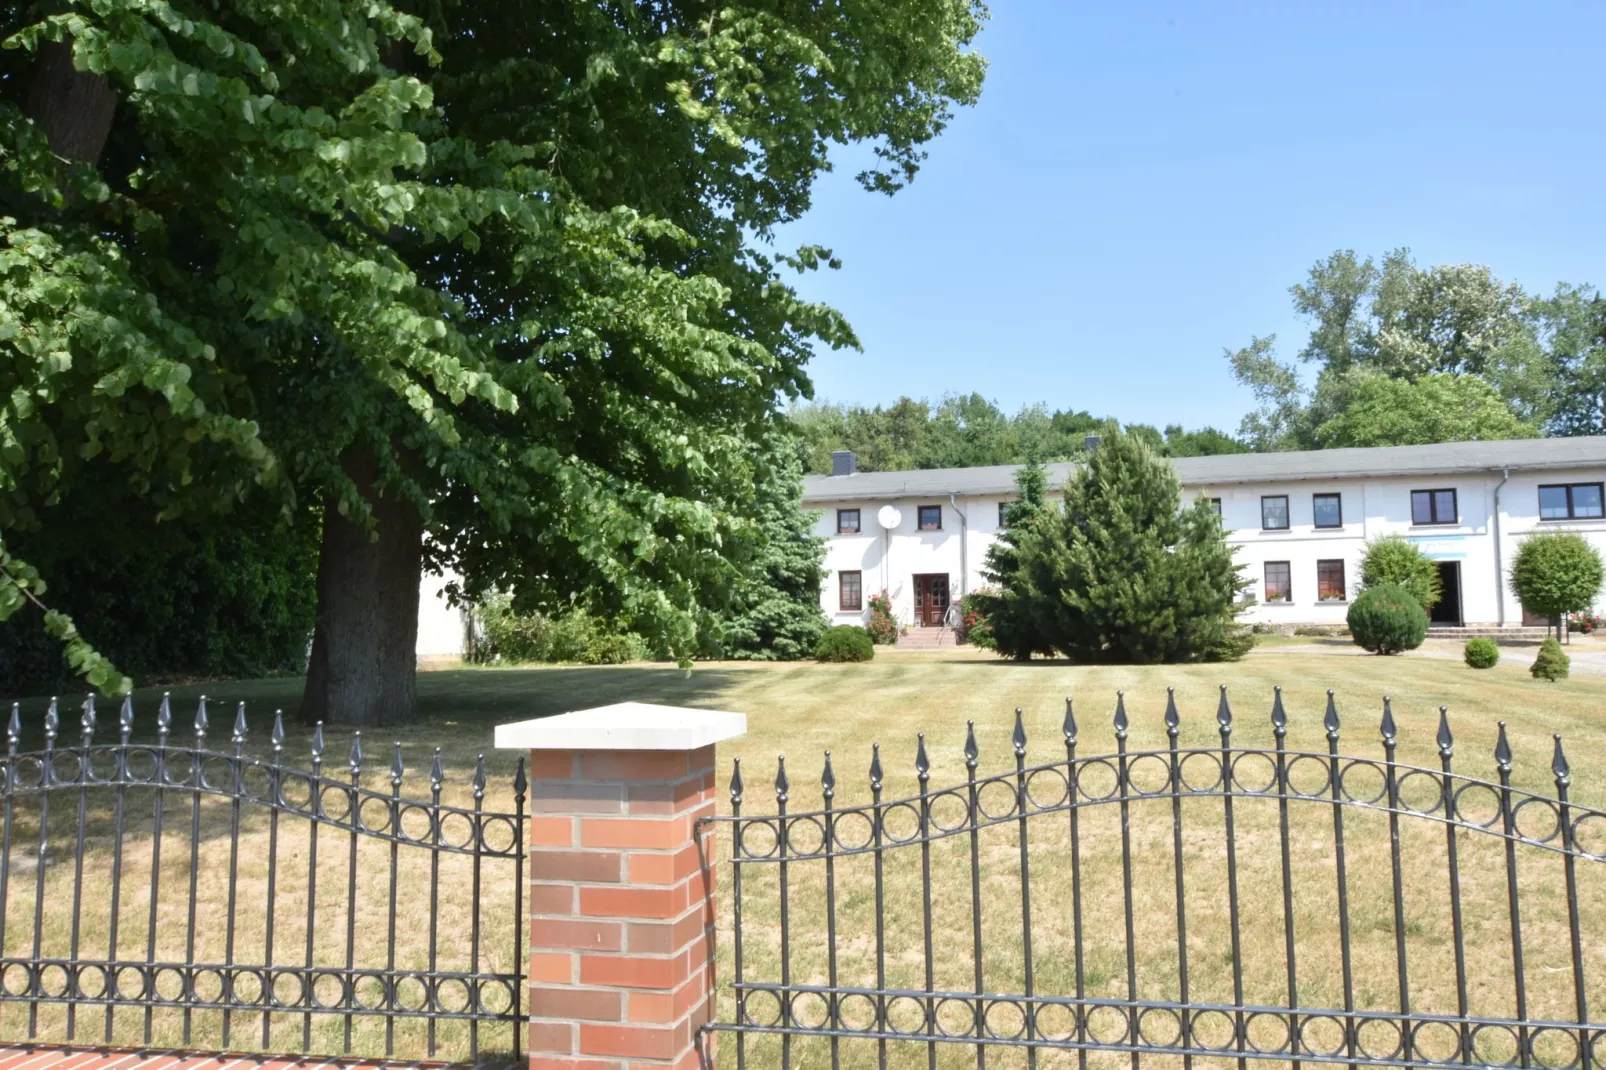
x=623, y=726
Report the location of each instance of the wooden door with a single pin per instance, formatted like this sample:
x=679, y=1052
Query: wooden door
x=931, y=599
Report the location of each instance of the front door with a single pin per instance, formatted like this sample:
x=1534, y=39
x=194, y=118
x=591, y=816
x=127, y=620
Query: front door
x=1448, y=608
x=931, y=599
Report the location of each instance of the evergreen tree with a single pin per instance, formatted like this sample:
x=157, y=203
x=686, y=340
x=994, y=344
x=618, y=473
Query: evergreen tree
x=1008, y=610
x=775, y=606
x=1123, y=574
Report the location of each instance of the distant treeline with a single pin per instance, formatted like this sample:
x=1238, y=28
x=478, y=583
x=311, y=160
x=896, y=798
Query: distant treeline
x=964, y=431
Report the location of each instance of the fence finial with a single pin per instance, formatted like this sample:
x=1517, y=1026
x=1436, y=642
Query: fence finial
x=1330, y=718
x=355, y=759
x=87, y=722
x=1224, y=714
x=736, y=782
x=200, y=720
x=1173, y=719
x=437, y=774
x=52, y=722
x=396, y=767
x=14, y=727
x=479, y=777
x=875, y=767
x=1019, y=737
x=1559, y=766
x=1279, y=716
x=240, y=727
x=972, y=751
x=164, y=718
x=1068, y=726
x=125, y=718
x=828, y=779
x=1446, y=740
x=1387, y=728
x=317, y=742
x=521, y=783
x=1502, y=750
x=276, y=737
x=922, y=762
x=782, y=785
x=1120, y=715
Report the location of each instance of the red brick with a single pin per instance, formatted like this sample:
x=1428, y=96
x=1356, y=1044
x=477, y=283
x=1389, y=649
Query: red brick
x=552, y=899
x=552, y=1038
x=652, y=833
x=576, y=797
x=560, y=1062
x=551, y=765
x=668, y=867
x=634, y=765
x=630, y=971
x=591, y=867
x=664, y=798
x=551, y=832
x=591, y=1004
x=549, y=933
x=628, y=902
x=639, y=1042
x=552, y=967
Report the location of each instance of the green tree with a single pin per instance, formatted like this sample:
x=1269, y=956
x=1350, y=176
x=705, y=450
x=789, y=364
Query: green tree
x=1387, y=619
x=1124, y=574
x=775, y=612
x=1572, y=325
x=491, y=284
x=1441, y=407
x=1394, y=559
x=1008, y=606
x=1555, y=573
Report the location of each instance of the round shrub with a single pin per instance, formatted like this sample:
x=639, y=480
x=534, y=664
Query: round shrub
x=1395, y=559
x=1387, y=619
x=1481, y=653
x=845, y=642
x=1557, y=572
x=1552, y=663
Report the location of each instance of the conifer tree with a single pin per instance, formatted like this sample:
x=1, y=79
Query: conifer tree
x=1123, y=573
x=1008, y=609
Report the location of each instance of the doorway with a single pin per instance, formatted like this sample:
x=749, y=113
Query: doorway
x=1448, y=608
x=931, y=599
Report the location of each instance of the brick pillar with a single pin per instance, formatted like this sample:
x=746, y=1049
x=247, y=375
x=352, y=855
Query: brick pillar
x=622, y=882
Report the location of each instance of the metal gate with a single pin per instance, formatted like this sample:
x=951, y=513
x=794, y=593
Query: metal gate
x=1218, y=902
x=176, y=894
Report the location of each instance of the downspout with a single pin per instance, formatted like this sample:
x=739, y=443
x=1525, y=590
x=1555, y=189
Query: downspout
x=1499, y=567
x=964, y=558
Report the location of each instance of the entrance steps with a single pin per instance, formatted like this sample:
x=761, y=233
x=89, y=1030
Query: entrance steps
x=1512, y=633
x=926, y=639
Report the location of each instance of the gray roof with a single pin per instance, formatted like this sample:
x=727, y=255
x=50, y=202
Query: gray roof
x=1444, y=458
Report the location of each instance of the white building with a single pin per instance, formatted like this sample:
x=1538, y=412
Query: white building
x=1300, y=522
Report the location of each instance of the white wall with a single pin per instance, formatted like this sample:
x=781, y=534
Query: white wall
x=442, y=630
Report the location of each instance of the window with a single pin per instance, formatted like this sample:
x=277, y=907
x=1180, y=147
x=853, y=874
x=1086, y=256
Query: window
x=1570, y=501
x=1328, y=509
x=847, y=521
x=931, y=518
x=1215, y=506
x=1330, y=581
x=850, y=591
x=1274, y=512
x=1433, y=507
x=1278, y=586
x=1003, y=514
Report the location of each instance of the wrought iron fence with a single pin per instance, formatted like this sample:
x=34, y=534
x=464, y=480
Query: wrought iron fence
x=1414, y=874
x=221, y=900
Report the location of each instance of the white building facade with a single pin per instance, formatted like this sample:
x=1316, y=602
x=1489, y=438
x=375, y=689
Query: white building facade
x=1299, y=521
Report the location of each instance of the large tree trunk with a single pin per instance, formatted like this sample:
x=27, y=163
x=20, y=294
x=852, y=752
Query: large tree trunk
x=363, y=669
x=74, y=108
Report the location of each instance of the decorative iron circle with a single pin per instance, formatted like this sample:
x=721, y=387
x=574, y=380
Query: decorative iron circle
x=330, y=990
x=216, y=773
x=998, y=799
x=1055, y=1021
x=1097, y=779
x=206, y=986
x=805, y=836
x=1553, y=1047
x=907, y=1016
x=1213, y=1029
x=1046, y=789
x=494, y=997
x=246, y=986
x=168, y=984
x=1589, y=836
x=457, y=830
x=810, y=1010
x=52, y=981
x=28, y=773
x=256, y=780
x=1495, y=1045
x=1160, y=1027
x=1477, y=805
x=1149, y=775
x=1107, y=1024
x=857, y=1011
x=91, y=981
x=1322, y=1036
x=452, y=995
x=900, y=822
x=1356, y=783
x=415, y=824
x=1200, y=772
x=16, y=979
x=853, y=830
x=1267, y=1033
x=373, y=815
x=1438, y=1042
x=1005, y=1019
x=1379, y=1038
x=955, y=1017
x=756, y=838
x=370, y=991
x=1309, y=776
x=336, y=806
x=411, y=993
x=289, y=990
x=1254, y=773
x=760, y=1007
x=296, y=792
x=1536, y=820
x=130, y=983
x=1420, y=792
x=498, y=835
x=949, y=811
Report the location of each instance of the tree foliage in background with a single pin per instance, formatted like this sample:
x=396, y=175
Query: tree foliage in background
x=504, y=636
x=494, y=274
x=967, y=431
x=774, y=614
x=1006, y=604
x=1404, y=354
x=1396, y=559
x=1122, y=573
x=1557, y=572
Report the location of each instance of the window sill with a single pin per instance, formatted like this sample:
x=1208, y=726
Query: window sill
x=1275, y=531
x=1438, y=524
x=1571, y=519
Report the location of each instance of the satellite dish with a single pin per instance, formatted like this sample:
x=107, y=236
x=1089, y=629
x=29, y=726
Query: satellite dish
x=889, y=517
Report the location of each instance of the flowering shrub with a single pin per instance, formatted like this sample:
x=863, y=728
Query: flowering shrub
x=973, y=624
x=1588, y=623
x=882, y=628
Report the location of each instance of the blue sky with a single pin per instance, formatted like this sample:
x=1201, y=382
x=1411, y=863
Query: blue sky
x=1142, y=182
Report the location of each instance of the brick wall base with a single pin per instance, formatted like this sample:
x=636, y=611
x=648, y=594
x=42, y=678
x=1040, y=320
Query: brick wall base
x=52, y=1057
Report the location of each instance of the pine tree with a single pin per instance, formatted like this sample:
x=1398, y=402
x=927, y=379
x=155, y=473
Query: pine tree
x=1123, y=573
x=775, y=610
x=1008, y=610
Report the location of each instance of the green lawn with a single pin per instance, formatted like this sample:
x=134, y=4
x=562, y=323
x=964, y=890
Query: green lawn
x=802, y=710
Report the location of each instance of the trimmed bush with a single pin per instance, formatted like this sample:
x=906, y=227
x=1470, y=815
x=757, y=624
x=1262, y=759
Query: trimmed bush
x=1551, y=664
x=1387, y=619
x=1395, y=559
x=1481, y=653
x=845, y=642
x=1557, y=572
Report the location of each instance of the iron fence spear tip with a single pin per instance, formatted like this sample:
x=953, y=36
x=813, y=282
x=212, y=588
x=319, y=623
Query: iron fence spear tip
x=828, y=778
x=1330, y=718
x=1559, y=766
x=317, y=741
x=52, y=720
x=972, y=751
x=87, y=722
x=1120, y=715
x=437, y=773
x=1446, y=740
x=239, y=723
x=1068, y=726
x=479, y=776
x=1173, y=719
x=782, y=784
x=276, y=737
x=922, y=762
x=356, y=753
x=875, y=767
x=396, y=767
x=1502, y=750
x=1279, y=715
x=125, y=713
x=1387, y=728
x=521, y=783
x=1019, y=738
x=1224, y=713
x=736, y=781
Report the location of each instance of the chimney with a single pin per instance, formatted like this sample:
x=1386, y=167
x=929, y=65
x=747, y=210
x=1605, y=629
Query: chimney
x=1091, y=444
x=843, y=463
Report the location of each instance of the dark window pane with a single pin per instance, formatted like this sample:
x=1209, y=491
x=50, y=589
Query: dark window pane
x=931, y=518
x=1330, y=580
x=1552, y=503
x=1329, y=511
x=1215, y=507
x=1274, y=512
x=1586, y=500
x=1421, y=507
x=1277, y=581
x=1444, y=511
x=850, y=590
x=1003, y=513
x=847, y=521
